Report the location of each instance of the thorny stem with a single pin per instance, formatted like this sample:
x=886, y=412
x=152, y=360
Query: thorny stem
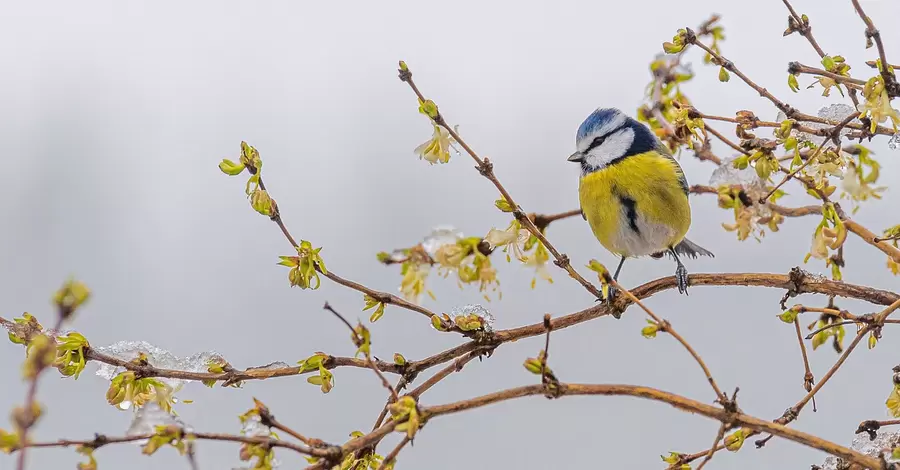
x=682, y=403
x=486, y=168
x=665, y=326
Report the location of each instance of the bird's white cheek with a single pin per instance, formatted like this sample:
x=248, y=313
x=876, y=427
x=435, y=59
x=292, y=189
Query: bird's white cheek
x=615, y=146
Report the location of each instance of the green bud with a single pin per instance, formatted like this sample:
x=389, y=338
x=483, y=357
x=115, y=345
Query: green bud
x=533, y=365
x=788, y=316
x=428, y=108
x=399, y=359
x=261, y=202
x=231, y=168
x=503, y=205
x=828, y=62
x=671, y=48
x=734, y=441
x=650, y=330
x=723, y=75
x=793, y=84
x=403, y=67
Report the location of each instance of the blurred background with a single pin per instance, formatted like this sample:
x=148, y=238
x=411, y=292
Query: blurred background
x=117, y=113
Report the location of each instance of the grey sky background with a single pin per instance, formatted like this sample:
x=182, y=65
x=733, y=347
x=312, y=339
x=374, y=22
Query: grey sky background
x=117, y=113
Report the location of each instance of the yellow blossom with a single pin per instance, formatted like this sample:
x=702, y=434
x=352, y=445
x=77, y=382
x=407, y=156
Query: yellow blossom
x=878, y=104
x=820, y=243
x=436, y=149
x=413, y=283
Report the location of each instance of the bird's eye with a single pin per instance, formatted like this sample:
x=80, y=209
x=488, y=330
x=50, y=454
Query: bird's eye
x=596, y=143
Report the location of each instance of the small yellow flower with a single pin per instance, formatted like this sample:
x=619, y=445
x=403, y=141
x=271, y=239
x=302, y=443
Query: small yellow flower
x=893, y=402
x=436, y=149
x=820, y=243
x=878, y=104
x=413, y=283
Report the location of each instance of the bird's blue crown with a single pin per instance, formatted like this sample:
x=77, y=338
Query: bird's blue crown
x=599, y=118
x=606, y=121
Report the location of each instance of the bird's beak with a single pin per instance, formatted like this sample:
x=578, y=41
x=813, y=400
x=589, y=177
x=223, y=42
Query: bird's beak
x=577, y=157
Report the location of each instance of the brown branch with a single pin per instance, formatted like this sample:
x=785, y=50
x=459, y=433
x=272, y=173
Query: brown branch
x=541, y=221
x=715, y=446
x=830, y=326
x=808, y=379
x=330, y=362
x=805, y=69
x=101, y=440
x=457, y=366
x=392, y=456
x=798, y=282
x=360, y=342
x=890, y=81
x=486, y=168
x=382, y=297
x=892, y=251
x=804, y=29
x=28, y=416
x=726, y=141
x=666, y=327
x=793, y=173
x=679, y=402
x=789, y=111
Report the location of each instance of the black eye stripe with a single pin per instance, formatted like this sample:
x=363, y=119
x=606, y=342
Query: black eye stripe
x=596, y=143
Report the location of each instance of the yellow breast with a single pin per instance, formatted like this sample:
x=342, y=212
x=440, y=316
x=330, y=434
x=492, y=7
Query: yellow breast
x=637, y=206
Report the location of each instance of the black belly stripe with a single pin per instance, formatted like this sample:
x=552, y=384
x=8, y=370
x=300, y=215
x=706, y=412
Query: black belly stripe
x=630, y=212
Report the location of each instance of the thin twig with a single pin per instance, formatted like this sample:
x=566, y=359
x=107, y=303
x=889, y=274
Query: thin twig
x=28, y=418
x=808, y=378
x=682, y=403
x=804, y=29
x=830, y=326
x=382, y=297
x=359, y=343
x=392, y=456
x=101, y=440
x=665, y=326
x=486, y=168
x=890, y=81
x=715, y=447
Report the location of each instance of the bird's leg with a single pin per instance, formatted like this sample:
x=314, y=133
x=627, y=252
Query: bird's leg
x=681, y=274
x=612, y=290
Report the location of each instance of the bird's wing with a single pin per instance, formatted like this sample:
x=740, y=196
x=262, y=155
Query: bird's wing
x=682, y=180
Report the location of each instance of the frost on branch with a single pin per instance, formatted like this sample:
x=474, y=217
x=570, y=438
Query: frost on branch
x=440, y=236
x=148, y=417
x=835, y=113
x=883, y=443
x=157, y=357
x=473, y=317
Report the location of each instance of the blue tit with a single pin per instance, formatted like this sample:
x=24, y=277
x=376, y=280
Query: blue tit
x=633, y=193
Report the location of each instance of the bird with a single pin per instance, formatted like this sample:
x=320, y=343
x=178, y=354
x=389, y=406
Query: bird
x=633, y=193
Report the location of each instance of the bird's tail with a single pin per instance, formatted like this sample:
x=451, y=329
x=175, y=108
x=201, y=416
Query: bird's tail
x=691, y=249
